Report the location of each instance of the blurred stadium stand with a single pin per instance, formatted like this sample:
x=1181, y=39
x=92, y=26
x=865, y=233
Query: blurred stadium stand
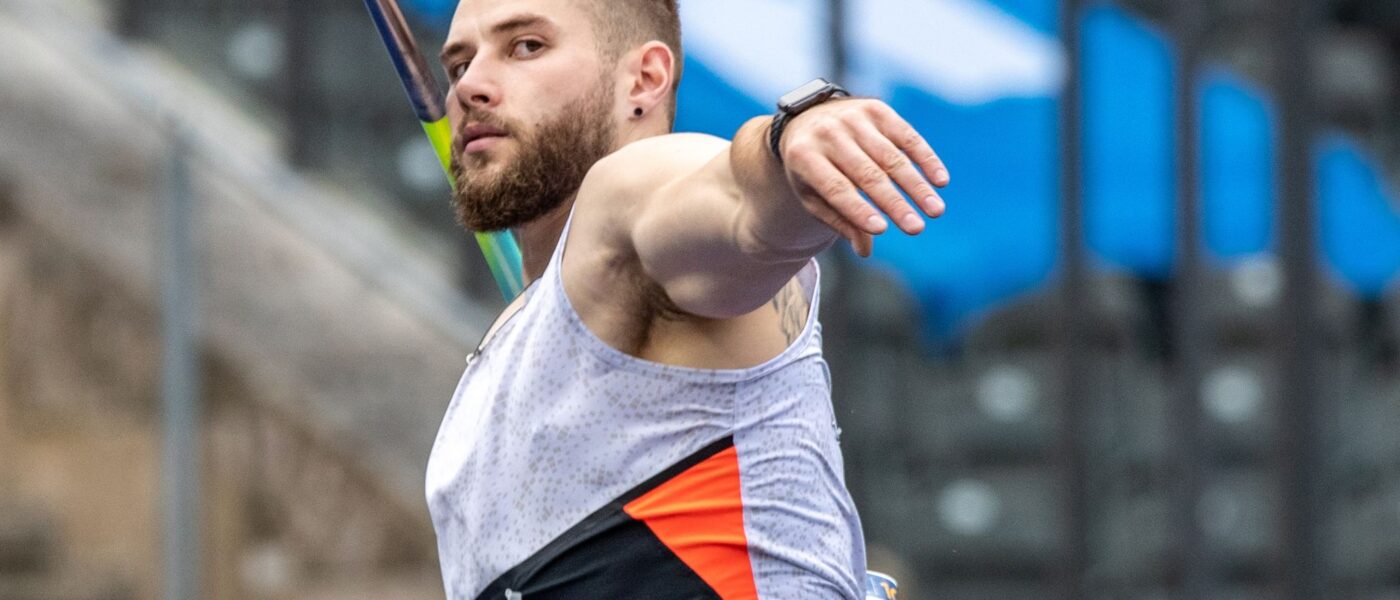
x=330, y=331
x=340, y=299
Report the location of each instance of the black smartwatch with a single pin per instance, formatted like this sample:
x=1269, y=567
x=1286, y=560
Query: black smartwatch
x=797, y=102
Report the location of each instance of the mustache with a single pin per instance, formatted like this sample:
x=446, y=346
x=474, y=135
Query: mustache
x=481, y=117
x=478, y=117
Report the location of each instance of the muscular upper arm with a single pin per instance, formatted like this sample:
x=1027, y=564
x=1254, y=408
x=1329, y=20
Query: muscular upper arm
x=673, y=203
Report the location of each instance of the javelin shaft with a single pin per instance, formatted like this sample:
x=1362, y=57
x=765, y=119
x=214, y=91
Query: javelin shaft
x=499, y=248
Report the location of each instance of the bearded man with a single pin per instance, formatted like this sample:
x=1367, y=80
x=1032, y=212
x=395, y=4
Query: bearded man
x=652, y=417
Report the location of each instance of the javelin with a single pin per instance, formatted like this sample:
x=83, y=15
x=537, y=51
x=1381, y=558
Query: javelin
x=499, y=248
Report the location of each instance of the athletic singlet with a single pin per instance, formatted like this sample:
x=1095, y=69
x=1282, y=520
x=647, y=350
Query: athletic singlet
x=567, y=469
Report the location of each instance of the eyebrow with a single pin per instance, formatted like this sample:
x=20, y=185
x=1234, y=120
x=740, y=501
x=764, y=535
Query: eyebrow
x=515, y=23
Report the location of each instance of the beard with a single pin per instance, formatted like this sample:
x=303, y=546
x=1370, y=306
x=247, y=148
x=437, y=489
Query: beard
x=548, y=168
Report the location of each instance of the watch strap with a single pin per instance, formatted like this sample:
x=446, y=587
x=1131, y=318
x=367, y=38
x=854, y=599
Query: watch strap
x=775, y=133
x=786, y=114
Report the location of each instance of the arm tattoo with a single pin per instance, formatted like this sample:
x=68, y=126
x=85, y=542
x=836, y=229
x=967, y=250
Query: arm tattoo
x=792, y=310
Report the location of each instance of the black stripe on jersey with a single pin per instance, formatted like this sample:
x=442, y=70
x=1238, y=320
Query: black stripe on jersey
x=610, y=556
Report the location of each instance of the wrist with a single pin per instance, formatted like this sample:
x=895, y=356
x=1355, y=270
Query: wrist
x=794, y=104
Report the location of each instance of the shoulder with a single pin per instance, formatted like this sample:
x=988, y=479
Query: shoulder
x=648, y=165
x=614, y=196
x=672, y=151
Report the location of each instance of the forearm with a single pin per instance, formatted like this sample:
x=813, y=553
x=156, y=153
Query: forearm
x=772, y=224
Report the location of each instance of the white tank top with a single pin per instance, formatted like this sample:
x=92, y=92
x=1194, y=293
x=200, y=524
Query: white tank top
x=552, y=432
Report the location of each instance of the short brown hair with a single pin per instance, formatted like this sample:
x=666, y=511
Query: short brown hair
x=622, y=25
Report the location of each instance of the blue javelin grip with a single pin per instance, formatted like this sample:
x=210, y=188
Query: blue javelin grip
x=879, y=586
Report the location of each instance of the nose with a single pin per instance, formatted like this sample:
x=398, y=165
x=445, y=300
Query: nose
x=477, y=88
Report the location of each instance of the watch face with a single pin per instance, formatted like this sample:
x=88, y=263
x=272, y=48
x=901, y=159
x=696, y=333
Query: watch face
x=804, y=96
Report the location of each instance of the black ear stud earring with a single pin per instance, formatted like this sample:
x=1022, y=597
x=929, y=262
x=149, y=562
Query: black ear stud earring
x=637, y=112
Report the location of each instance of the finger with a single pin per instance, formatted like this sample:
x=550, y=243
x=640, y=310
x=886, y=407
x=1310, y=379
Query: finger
x=876, y=183
x=901, y=169
x=908, y=139
x=864, y=246
x=836, y=190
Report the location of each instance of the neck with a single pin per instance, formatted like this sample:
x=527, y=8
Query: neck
x=538, y=238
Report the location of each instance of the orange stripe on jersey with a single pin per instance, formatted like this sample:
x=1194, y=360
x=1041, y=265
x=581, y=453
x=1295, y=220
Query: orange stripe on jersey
x=699, y=515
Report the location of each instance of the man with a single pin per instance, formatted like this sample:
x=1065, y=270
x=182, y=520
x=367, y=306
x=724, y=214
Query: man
x=652, y=417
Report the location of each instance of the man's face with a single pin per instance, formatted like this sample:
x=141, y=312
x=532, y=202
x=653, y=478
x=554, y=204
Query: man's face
x=531, y=107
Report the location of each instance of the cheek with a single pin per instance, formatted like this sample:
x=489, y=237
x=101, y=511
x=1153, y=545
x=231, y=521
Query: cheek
x=454, y=112
x=454, y=119
x=571, y=77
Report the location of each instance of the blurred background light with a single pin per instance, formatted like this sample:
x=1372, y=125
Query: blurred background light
x=969, y=508
x=1258, y=282
x=256, y=51
x=1233, y=395
x=1008, y=394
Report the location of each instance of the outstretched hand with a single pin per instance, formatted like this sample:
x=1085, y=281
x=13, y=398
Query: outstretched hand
x=836, y=151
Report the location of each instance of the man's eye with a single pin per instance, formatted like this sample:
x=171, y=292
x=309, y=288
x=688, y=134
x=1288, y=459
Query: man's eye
x=526, y=48
x=456, y=71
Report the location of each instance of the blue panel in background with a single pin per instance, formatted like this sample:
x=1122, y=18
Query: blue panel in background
x=1237, y=168
x=1129, y=144
x=708, y=104
x=1360, y=228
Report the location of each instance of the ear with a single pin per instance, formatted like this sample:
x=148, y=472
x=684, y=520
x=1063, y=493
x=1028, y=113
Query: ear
x=654, y=71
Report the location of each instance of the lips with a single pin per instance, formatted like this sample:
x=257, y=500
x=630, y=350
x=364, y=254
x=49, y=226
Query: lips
x=478, y=133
